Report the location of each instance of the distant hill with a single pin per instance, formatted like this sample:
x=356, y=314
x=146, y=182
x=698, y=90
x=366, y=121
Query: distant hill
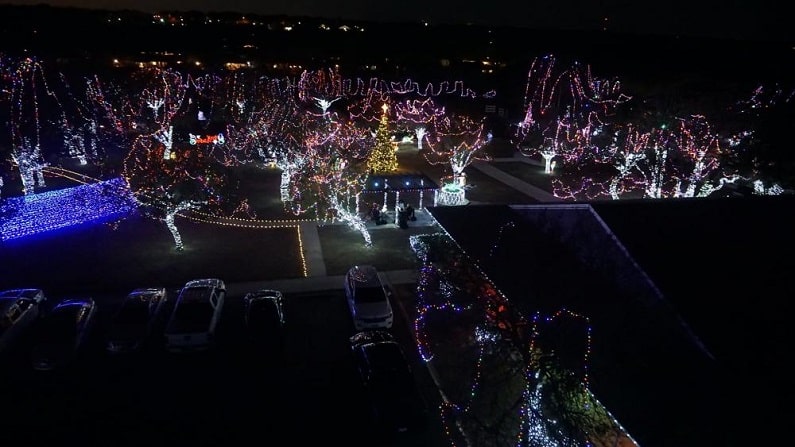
x=51, y=30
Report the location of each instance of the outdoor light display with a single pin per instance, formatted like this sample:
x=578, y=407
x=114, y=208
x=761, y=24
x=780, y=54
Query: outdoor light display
x=419, y=115
x=565, y=110
x=158, y=121
x=682, y=160
x=28, y=159
x=326, y=179
x=26, y=89
x=329, y=83
x=457, y=140
x=166, y=187
x=462, y=321
x=36, y=213
x=451, y=194
x=383, y=157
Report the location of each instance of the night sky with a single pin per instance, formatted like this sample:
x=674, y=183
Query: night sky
x=735, y=19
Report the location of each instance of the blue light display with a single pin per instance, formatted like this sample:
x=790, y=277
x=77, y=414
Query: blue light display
x=37, y=213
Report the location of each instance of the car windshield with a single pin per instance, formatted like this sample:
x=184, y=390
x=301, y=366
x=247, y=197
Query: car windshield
x=264, y=313
x=7, y=313
x=369, y=295
x=389, y=367
x=133, y=312
x=191, y=316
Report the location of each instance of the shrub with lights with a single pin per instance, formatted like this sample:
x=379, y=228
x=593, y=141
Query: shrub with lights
x=502, y=384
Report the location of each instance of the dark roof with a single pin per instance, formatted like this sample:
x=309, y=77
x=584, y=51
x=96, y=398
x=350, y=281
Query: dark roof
x=664, y=355
x=399, y=182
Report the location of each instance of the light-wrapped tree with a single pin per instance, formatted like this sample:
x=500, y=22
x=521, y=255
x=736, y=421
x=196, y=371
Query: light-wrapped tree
x=565, y=110
x=457, y=141
x=383, y=157
x=331, y=174
x=419, y=115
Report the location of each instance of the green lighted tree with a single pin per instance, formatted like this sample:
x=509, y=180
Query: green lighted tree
x=383, y=158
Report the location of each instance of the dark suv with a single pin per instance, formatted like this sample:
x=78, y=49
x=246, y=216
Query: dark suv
x=395, y=402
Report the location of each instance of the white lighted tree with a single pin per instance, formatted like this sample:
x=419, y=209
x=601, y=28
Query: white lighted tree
x=27, y=156
x=333, y=171
x=165, y=188
x=419, y=115
x=458, y=140
x=31, y=101
x=565, y=110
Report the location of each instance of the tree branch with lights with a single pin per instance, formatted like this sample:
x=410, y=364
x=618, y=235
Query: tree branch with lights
x=457, y=141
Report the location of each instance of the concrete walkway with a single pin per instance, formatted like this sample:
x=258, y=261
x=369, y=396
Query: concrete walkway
x=514, y=182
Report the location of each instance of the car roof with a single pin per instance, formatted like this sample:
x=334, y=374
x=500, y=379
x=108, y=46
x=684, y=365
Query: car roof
x=264, y=293
x=69, y=302
x=204, y=282
x=385, y=357
x=365, y=274
x=20, y=293
x=373, y=336
x=143, y=293
x=147, y=290
x=196, y=294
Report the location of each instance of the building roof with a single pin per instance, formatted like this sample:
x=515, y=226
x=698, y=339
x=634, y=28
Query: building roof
x=683, y=296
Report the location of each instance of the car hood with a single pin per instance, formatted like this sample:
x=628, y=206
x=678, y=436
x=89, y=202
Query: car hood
x=46, y=356
x=373, y=310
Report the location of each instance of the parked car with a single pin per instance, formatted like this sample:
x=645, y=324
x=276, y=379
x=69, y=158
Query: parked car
x=395, y=401
x=19, y=308
x=140, y=315
x=62, y=333
x=263, y=316
x=368, y=298
x=196, y=314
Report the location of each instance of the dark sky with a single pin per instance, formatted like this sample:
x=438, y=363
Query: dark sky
x=740, y=19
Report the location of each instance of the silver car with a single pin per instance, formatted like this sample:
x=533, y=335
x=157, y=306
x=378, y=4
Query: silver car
x=196, y=314
x=368, y=298
x=19, y=308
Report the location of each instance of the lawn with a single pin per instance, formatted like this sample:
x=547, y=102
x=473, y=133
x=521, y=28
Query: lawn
x=344, y=247
x=139, y=252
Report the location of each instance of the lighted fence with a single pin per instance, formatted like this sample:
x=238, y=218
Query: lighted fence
x=37, y=213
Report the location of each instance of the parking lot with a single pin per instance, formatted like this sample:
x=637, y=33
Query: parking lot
x=306, y=390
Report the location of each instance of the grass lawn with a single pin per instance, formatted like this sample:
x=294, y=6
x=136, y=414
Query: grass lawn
x=139, y=252
x=344, y=247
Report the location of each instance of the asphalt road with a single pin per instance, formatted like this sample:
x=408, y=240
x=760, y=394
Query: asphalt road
x=306, y=392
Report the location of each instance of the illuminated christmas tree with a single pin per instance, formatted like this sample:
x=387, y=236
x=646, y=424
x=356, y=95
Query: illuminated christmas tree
x=383, y=158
